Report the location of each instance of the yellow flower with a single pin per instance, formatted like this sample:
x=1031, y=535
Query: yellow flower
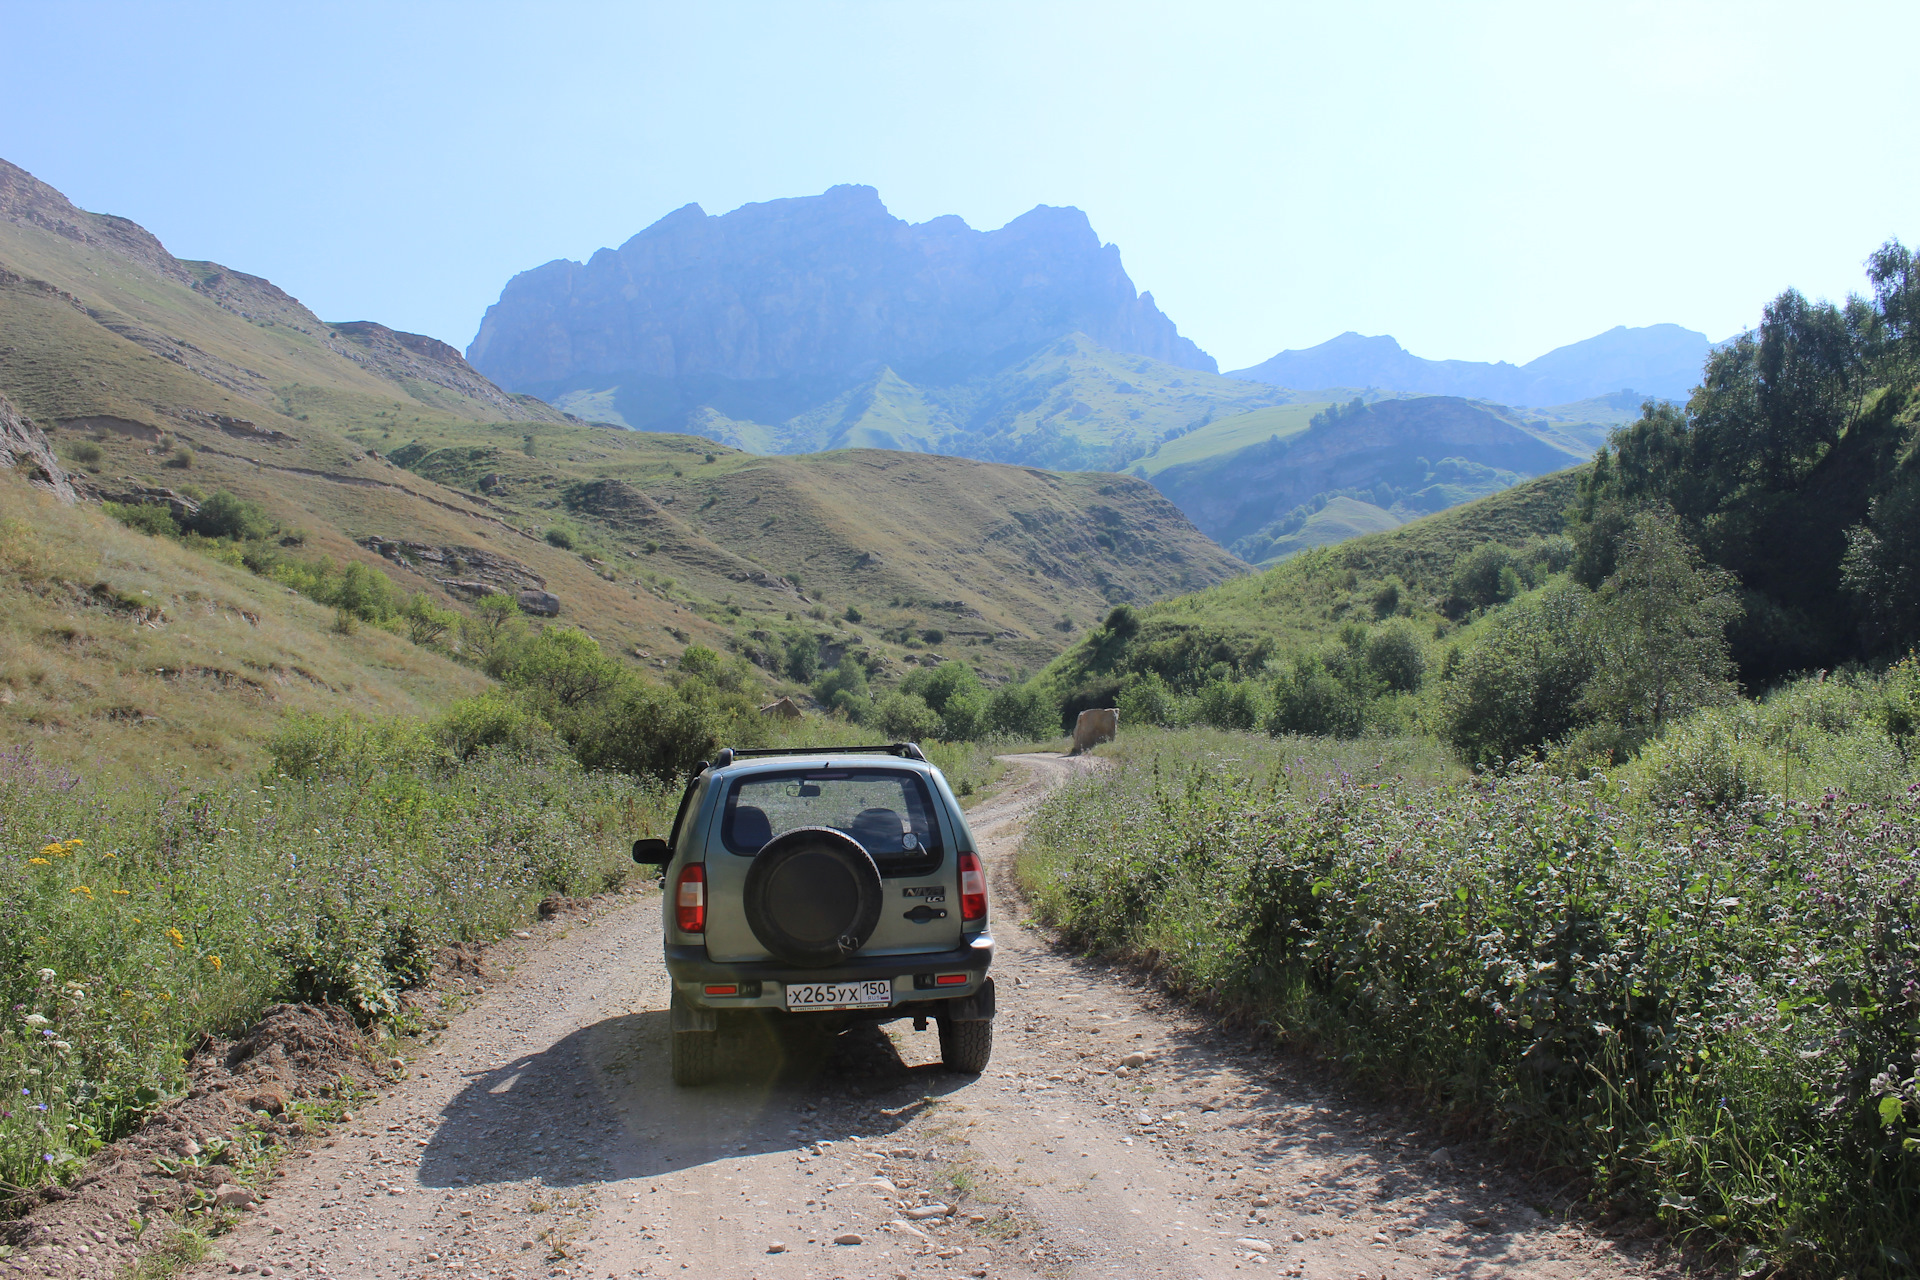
x=215, y=962
x=40, y=862
x=81, y=888
x=125, y=893
x=178, y=939
x=53, y=850
x=111, y=854
x=75, y=844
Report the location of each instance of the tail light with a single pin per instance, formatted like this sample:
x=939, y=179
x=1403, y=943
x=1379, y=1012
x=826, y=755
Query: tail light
x=690, y=899
x=973, y=887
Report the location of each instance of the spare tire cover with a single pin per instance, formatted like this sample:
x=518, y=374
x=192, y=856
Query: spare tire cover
x=812, y=896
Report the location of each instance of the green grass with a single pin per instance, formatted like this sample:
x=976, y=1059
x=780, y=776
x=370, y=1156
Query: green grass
x=139, y=915
x=1704, y=1013
x=1224, y=435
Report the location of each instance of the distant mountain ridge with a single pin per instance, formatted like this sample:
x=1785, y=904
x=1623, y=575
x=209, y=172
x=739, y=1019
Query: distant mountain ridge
x=817, y=290
x=1659, y=360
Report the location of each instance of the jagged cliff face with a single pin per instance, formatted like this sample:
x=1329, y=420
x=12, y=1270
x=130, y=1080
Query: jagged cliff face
x=826, y=286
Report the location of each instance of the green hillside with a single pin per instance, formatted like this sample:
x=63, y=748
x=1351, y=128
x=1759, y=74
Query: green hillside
x=1407, y=457
x=161, y=381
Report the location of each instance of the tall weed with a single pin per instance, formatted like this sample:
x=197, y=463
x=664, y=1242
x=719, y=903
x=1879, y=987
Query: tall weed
x=1710, y=1013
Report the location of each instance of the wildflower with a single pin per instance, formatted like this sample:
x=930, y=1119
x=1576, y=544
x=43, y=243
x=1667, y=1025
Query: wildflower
x=215, y=962
x=53, y=850
x=179, y=939
x=46, y=975
x=39, y=862
x=37, y=1020
x=81, y=888
x=63, y=1046
x=124, y=893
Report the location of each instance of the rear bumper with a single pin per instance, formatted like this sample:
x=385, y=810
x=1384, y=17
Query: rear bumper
x=692, y=972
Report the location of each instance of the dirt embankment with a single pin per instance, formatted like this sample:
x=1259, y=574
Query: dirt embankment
x=539, y=1135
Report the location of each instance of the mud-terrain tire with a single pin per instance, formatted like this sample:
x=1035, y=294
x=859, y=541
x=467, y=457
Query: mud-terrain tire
x=966, y=1046
x=695, y=1056
x=813, y=897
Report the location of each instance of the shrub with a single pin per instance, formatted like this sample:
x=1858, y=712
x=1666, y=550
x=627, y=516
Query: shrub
x=148, y=517
x=226, y=516
x=802, y=656
x=845, y=690
x=1230, y=704
x=1310, y=699
x=349, y=746
x=84, y=452
x=560, y=537
x=1519, y=686
x=1395, y=655
x=1147, y=700
x=492, y=722
x=852, y=614
x=905, y=717
x=1485, y=576
x=182, y=459
x=1022, y=712
x=1697, y=1011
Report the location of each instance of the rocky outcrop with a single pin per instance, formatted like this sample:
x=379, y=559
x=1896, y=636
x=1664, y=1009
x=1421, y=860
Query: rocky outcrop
x=413, y=357
x=821, y=286
x=25, y=452
x=470, y=571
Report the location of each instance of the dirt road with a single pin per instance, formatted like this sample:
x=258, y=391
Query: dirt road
x=540, y=1136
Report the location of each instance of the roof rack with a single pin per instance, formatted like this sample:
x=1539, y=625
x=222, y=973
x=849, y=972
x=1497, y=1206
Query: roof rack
x=905, y=750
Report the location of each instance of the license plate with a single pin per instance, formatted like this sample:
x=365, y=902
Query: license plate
x=873, y=993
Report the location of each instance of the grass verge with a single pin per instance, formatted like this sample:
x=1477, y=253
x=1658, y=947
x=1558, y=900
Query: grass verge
x=1709, y=1014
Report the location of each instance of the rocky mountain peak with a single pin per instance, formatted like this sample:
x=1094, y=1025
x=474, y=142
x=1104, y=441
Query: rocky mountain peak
x=828, y=286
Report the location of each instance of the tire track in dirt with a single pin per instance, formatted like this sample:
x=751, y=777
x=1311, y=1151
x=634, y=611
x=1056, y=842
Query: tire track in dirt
x=540, y=1136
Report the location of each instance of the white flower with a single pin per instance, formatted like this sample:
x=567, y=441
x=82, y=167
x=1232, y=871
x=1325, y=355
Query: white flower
x=63, y=1046
x=47, y=975
x=37, y=1020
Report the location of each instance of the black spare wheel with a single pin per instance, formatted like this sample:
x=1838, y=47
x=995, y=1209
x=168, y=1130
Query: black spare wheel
x=813, y=896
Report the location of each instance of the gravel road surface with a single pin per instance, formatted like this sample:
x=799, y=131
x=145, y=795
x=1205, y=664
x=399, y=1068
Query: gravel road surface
x=539, y=1136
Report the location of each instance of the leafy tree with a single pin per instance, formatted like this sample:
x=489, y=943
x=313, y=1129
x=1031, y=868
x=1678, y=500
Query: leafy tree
x=361, y=591
x=226, y=516
x=906, y=717
x=802, y=656
x=1881, y=570
x=1022, y=711
x=1146, y=699
x=1485, y=576
x=1313, y=699
x=1658, y=628
x=1395, y=655
x=426, y=621
x=642, y=728
x=563, y=668
x=1231, y=704
x=1519, y=687
x=496, y=620
x=845, y=689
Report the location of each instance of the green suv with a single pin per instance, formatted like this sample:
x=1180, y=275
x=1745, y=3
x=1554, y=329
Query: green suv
x=824, y=886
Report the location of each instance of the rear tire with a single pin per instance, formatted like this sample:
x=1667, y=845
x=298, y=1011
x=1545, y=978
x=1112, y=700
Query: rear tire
x=695, y=1056
x=966, y=1046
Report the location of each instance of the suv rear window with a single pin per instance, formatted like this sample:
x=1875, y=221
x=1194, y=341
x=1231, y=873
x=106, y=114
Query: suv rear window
x=889, y=812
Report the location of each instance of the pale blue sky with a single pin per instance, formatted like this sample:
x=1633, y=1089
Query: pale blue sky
x=1483, y=181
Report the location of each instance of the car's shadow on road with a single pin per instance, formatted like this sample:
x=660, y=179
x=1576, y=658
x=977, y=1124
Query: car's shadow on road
x=601, y=1104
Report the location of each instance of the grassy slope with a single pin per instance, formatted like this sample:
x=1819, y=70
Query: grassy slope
x=1232, y=495
x=131, y=353
x=1006, y=560
x=125, y=649
x=1225, y=435
x=1305, y=600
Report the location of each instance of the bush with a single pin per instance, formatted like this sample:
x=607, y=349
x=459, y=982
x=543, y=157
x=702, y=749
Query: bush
x=1148, y=700
x=1395, y=655
x=84, y=452
x=1311, y=699
x=226, y=516
x=493, y=722
x=802, y=657
x=148, y=517
x=1230, y=704
x=1022, y=712
x=955, y=694
x=560, y=537
x=646, y=730
x=905, y=717
x=142, y=918
x=1484, y=577
x=845, y=690
x=1519, y=686
x=1696, y=1011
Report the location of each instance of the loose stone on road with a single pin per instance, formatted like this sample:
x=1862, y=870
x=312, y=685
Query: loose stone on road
x=1114, y=1135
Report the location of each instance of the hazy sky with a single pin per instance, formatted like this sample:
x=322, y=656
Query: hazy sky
x=1483, y=181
